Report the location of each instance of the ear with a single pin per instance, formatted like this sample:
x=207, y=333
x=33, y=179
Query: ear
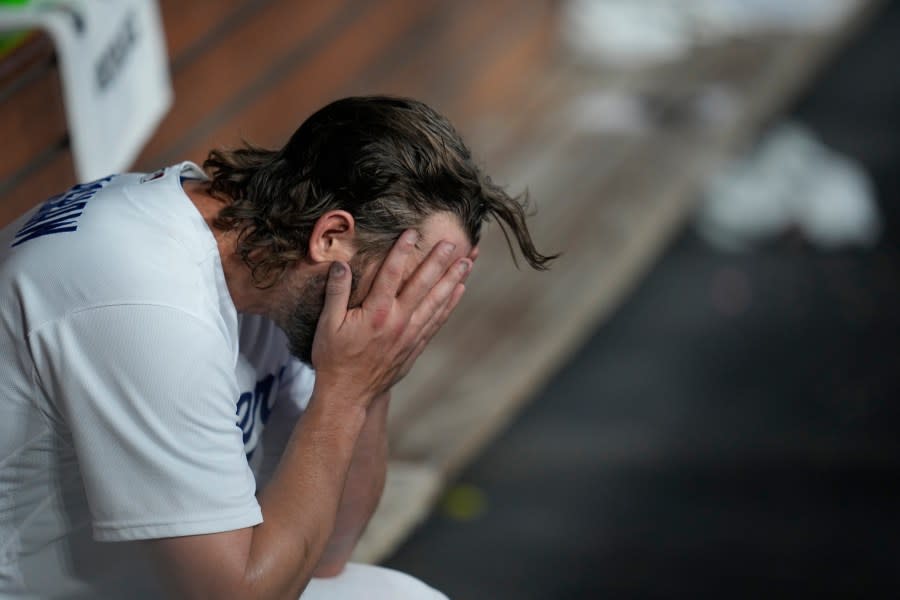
x=333, y=237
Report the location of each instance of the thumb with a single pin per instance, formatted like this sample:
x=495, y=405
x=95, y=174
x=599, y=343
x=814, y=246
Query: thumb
x=337, y=296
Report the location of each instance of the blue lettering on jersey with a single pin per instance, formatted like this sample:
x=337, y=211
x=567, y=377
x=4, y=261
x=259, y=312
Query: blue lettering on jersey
x=254, y=408
x=60, y=213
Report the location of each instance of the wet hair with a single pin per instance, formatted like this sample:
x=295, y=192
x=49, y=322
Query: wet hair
x=390, y=162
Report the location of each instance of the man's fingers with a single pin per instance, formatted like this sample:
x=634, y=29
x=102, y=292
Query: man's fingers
x=337, y=296
x=429, y=274
x=443, y=291
x=451, y=305
x=436, y=308
x=432, y=327
x=390, y=276
x=440, y=316
x=437, y=318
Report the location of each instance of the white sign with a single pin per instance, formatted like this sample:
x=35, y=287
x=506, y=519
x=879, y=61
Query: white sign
x=114, y=70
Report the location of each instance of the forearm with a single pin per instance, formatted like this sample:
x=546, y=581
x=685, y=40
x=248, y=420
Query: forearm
x=276, y=558
x=312, y=473
x=362, y=490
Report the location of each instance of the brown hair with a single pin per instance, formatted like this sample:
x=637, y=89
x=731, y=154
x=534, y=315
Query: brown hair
x=390, y=162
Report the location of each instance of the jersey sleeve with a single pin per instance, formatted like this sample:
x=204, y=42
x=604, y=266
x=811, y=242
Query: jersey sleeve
x=148, y=395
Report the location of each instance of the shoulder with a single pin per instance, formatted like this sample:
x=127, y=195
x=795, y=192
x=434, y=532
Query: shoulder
x=106, y=217
x=126, y=239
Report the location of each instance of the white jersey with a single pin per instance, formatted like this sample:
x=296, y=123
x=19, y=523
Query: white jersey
x=132, y=394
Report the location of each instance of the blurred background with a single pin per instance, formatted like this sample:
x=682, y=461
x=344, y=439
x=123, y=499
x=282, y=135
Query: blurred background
x=699, y=398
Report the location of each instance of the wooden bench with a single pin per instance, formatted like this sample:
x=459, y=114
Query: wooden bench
x=254, y=69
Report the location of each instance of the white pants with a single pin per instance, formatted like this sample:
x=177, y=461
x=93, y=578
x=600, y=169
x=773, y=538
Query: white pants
x=367, y=582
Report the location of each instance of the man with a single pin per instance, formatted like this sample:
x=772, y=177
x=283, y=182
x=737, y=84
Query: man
x=149, y=396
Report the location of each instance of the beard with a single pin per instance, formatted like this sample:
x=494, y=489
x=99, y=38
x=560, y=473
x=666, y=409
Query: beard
x=302, y=320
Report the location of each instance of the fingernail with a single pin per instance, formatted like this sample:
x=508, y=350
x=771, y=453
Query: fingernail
x=447, y=247
x=411, y=236
x=337, y=269
x=464, y=266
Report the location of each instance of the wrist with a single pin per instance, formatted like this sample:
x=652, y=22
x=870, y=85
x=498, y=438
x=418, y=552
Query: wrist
x=343, y=391
x=336, y=408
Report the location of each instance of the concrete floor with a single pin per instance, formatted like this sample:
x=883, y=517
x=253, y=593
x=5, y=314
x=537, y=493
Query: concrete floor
x=732, y=430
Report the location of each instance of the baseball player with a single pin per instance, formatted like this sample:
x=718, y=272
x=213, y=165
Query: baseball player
x=197, y=362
